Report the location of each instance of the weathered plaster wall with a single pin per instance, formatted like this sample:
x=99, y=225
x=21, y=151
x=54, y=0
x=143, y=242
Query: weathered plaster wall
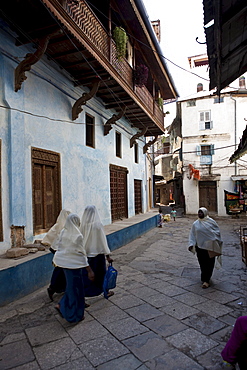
x=40, y=116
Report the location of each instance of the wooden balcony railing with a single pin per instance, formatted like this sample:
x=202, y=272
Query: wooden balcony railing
x=84, y=18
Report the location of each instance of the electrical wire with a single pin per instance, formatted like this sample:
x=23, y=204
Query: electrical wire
x=147, y=46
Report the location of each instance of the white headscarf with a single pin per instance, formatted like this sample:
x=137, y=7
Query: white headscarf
x=71, y=253
x=205, y=233
x=54, y=231
x=93, y=233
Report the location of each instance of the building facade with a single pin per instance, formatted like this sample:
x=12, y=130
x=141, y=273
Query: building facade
x=211, y=128
x=76, y=117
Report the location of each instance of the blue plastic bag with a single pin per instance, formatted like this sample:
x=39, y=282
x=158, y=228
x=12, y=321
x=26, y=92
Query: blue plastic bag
x=110, y=280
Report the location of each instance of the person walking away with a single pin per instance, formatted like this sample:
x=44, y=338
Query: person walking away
x=174, y=214
x=97, y=251
x=71, y=257
x=58, y=281
x=205, y=241
x=160, y=218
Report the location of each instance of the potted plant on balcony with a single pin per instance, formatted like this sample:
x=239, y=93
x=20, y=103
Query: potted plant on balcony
x=120, y=37
x=141, y=75
x=160, y=102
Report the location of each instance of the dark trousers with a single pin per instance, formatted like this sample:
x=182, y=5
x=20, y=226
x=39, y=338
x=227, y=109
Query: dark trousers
x=58, y=281
x=206, y=264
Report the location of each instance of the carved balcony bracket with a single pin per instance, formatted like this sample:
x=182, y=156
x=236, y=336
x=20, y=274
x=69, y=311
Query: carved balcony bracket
x=147, y=145
x=111, y=121
x=136, y=136
x=77, y=109
x=30, y=59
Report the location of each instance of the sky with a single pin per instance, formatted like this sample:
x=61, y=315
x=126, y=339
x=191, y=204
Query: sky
x=181, y=23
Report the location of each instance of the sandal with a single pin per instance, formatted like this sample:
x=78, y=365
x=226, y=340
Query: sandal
x=110, y=294
x=205, y=285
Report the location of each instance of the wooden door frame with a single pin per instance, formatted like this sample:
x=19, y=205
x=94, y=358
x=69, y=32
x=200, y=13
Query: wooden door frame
x=49, y=158
x=216, y=195
x=125, y=171
x=139, y=182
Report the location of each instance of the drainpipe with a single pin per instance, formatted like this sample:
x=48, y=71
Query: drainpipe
x=235, y=133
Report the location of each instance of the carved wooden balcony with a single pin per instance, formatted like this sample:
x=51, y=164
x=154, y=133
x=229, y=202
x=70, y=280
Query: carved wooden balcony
x=104, y=49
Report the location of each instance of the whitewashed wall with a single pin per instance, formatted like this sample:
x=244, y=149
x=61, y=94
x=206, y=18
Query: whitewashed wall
x=222, y=136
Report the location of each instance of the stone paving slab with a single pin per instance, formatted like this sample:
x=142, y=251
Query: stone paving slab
x=28, y=366
x=103, y=349
x=191, y=299
x=191, y=342
x=179, y=311
x=147, y=346
x=126, y=328
x=86, y=331
x=204, y=323
x=173, y=360
x=214, y=309
x=159, y=300
x=159, y=318
x=143, y=312
x=129, y=362
x=126, y=300
x=45, y=333
x=56, y=353
x=81, y=364
x=15, y=354
x=165, y=325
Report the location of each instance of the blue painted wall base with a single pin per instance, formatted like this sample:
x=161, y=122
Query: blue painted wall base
x=25, y=278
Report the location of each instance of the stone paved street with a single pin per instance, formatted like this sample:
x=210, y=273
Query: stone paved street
x=159, y=318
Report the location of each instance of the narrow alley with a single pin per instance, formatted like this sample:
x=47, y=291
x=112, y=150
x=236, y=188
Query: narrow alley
x=159, y=317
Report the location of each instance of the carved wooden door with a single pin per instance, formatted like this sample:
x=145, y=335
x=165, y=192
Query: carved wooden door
x=46, y=189
x=118, y=189
x=138, y=196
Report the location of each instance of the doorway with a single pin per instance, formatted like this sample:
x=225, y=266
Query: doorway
x=208, y=195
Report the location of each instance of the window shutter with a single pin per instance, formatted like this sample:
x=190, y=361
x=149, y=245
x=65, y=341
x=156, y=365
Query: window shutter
x=206, y=159
x=201, y=116
x=198, y=150
x=202, y=121
x=201, y=125
x=207, y=116
x=211, y=125
x=212, y=149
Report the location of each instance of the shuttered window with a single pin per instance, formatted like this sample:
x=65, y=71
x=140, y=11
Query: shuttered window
x=206, y=152
x=118, y=145
x=136, y=153
x=90, y=129
x=46, y=189
x=205, y=122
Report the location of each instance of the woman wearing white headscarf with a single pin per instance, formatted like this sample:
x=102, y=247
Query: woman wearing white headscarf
x=205, y=241
x=71, y=256
x=97, y=250
x=58, y=281
x=54, y=231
